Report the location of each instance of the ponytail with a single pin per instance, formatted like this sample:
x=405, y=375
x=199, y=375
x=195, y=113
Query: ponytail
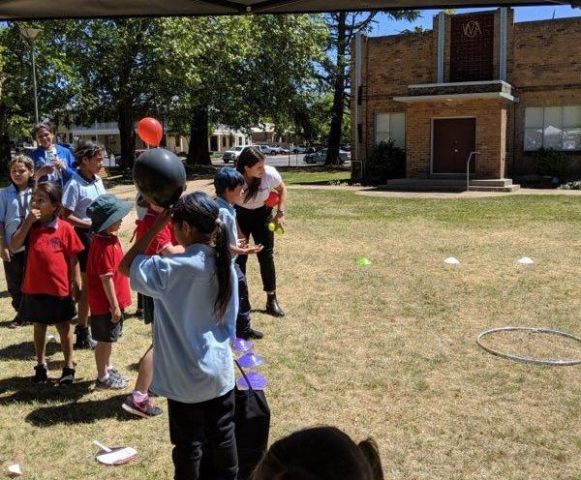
x=222, y=269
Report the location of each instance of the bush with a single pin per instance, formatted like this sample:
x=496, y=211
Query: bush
x=576, y=185
x=549, y=161
x=385, y=162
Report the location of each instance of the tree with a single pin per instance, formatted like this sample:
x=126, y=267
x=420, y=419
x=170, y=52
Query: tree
x=343, y=27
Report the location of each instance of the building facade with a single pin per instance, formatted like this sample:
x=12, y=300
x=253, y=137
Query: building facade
x=477, y=86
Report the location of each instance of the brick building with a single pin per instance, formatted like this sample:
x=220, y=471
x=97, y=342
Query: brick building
x=477, y=82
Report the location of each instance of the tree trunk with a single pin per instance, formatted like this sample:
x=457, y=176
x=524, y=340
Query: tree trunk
x=126, y=134
x=4, y=138
x=198, y=153
x=338, y=95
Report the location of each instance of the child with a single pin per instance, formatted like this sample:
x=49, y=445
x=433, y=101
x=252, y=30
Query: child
x=164, y=243
x=322, y=453
x=52, y=277
x=84, y=186
x=14, y=207
x=228, y=184
x=195, y=296
x=109, y=292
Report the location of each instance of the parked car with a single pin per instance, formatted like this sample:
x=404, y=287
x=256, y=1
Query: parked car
x=232, y=154
x=298, y=149
x=321, y=155
x=278, y=150
x=265, y=149
x=119, y=161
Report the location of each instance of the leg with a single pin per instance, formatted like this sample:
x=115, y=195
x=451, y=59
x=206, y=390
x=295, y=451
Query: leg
x=145, y=374
x=102, y=358
x=40, y=342
x=186, y=430
x=243, y=329
x=83, y=305
x=66, y=336
x=14, y=273
x=221, y=438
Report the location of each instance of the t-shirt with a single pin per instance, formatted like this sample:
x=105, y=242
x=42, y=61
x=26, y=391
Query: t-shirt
x=50, y=248
x=164, y=238
x=14, y=207
x=105, y=255
x=269, y=181
x=42, y=157
x=228, y=215
x=79, y=193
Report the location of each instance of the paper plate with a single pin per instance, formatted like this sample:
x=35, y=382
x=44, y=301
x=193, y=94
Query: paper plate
x=250, y=360
x=116, y=455
x=240, y=345
x=257, y=381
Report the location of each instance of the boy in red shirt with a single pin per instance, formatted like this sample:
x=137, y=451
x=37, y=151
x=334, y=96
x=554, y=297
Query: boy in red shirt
x=109, y=292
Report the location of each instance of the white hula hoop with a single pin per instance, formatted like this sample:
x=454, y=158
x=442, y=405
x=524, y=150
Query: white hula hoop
x=524, y=358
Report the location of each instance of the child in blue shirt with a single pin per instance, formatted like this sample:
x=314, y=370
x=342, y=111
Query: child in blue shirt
x=14, y=208
x=195, y=297
x=228, y=183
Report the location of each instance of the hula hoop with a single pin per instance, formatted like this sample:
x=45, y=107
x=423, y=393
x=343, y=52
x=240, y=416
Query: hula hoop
x=524, y=358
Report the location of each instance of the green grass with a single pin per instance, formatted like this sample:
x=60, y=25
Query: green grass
x=386, y=350
x=314, y=175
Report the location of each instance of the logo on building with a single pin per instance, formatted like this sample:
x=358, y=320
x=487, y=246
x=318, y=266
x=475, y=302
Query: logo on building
x=471, y=29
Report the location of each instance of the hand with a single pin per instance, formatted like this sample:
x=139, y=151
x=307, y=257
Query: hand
x=75, y=290
x=256, y=249
x=5, y=254
x=58, y=163
x=279, y=219
x=115, y=314
x=33, y=216
x=44, y=170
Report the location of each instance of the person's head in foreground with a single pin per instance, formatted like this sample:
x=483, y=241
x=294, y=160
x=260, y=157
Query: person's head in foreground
x=320, y=453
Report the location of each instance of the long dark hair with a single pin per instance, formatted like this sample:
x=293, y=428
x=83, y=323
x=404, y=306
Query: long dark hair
x=320, y=453
x=249, y=157
x=199, y=211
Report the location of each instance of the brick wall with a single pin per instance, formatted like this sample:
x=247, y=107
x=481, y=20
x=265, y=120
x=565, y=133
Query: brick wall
x=543, y=66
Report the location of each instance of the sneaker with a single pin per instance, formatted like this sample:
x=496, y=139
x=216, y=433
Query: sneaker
x=40, y=374
x=144, y=409
x=67, y=377
x=112, y=383
x=17, y=323
x=113, y=372
x=249, y=333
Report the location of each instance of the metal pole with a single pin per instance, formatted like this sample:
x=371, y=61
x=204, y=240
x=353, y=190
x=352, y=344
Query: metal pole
x=34, y=82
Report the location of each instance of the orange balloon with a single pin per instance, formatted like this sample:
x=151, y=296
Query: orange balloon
x=150, y=131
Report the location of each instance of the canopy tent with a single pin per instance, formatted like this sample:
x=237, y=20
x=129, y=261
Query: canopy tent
x=43, y=9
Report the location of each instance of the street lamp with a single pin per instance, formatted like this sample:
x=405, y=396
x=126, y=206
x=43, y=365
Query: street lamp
x=30, y=34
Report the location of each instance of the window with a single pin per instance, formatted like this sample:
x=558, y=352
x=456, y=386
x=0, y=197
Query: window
x=390, y=126
x=553, y=127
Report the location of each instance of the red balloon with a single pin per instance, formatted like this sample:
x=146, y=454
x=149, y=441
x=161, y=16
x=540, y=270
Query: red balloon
x=150, y=131
x=272, y=200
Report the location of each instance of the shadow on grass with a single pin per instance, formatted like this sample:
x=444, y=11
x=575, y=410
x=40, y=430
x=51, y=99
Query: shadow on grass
x=4, y=294
x=85, y=412
x=24, y=391
x=25, y=350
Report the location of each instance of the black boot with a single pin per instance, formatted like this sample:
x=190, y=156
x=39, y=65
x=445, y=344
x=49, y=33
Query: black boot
x=244, y=331
x=84, y=339
x=272, y=306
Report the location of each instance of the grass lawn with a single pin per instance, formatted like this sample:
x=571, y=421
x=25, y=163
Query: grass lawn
x=387, y=350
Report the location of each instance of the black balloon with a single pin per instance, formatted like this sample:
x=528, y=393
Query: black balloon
x=160, y=176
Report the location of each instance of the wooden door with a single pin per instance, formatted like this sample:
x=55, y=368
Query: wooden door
x=454, y=139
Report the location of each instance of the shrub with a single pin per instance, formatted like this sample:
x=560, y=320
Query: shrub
x=386, y=161
x=549, y=161
x=575, y=185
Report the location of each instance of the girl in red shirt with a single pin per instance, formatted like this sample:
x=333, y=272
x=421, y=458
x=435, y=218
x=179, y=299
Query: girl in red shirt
x=52, y=277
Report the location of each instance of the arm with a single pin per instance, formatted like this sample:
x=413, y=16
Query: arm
x=245, y=249
x=75, y=221
x=170, y=249
x=19, y=237
x=282, y=194
x=109, y=289
x=4, y=250
x=75, y=276
x=141, y=245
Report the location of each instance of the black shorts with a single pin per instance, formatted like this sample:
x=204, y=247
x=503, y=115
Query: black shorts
x=47, y=309
x=86, y=237
x=104, y=330
x=148, y=307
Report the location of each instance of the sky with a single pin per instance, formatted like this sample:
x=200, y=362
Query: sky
x=387, y=26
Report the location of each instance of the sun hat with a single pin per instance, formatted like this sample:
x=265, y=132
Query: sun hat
x=105, y=210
